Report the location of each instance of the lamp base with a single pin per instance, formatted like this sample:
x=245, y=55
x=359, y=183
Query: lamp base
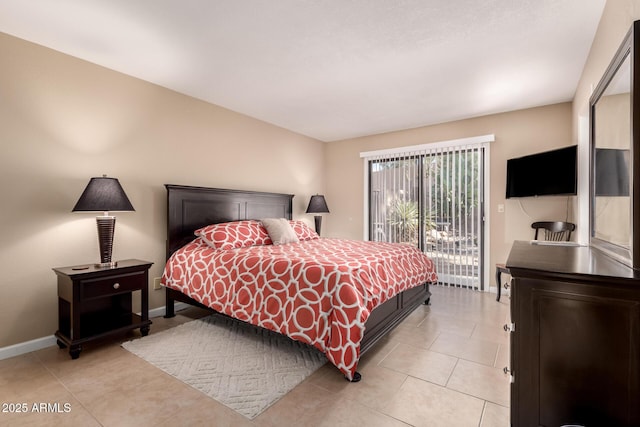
x=111, y=264
x=318, y=223
x=106, y=226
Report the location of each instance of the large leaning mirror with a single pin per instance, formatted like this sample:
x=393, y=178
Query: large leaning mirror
x=613, y=140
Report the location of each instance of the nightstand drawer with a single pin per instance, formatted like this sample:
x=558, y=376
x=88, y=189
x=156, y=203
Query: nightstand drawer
x=111, y=286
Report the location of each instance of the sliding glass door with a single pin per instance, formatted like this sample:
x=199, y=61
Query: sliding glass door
x=432, y=199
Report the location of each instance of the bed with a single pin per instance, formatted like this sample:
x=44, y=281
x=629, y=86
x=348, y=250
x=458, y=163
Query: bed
x=336, y=328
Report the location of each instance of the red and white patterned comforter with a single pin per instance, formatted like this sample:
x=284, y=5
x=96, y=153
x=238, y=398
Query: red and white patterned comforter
x=319, y=292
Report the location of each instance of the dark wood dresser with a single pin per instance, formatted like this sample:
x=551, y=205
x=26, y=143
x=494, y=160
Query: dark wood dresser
x=575, y=338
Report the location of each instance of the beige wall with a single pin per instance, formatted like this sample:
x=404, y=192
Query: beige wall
x=63, y=120
x=516, y=133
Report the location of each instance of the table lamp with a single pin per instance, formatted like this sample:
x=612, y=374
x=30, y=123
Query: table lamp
x=317, y=205
x=104, y=194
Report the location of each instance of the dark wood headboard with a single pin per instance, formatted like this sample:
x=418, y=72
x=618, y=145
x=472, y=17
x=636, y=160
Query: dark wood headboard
x=190, y=208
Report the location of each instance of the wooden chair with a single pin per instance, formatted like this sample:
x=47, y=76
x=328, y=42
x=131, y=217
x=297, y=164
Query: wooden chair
x=556, y=231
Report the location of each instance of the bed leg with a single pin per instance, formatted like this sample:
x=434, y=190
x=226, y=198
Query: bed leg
x=169, y=307
x=356, y=377
x=428, y=292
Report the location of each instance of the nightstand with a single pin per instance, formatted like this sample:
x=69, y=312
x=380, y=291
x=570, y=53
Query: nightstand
x=96, y=302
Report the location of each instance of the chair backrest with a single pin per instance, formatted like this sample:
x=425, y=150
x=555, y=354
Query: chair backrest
x=556, y=231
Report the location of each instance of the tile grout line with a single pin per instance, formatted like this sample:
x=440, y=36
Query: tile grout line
x=484, y=408
x=59, y=380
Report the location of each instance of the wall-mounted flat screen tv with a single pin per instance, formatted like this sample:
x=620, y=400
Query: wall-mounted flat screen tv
x=550, y=173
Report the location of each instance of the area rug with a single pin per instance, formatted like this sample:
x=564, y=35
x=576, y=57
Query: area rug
x=244, y=367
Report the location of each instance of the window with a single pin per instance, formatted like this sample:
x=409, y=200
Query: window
x=432, y=196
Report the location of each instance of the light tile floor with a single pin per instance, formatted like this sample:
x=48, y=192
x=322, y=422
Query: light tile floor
x=441, y=367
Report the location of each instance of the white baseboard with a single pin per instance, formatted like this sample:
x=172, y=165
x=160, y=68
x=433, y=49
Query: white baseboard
x=44, y=342
x=27, y=347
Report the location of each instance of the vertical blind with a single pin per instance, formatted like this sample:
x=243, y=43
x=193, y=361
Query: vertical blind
x=432, y=196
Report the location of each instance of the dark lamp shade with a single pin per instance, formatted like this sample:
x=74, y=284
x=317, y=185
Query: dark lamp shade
x=103, y=194
x=317, y=204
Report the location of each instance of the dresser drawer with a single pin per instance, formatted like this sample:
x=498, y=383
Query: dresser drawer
x=113, y=285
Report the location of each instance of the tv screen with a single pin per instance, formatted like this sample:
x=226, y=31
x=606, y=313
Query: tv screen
x=612, y=172
x=551, y=173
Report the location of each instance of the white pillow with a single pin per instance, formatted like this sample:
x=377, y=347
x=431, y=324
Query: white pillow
x=280, y=231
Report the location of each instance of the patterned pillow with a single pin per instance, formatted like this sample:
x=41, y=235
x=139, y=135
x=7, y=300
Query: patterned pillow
x=236, y=234
x=303, y=231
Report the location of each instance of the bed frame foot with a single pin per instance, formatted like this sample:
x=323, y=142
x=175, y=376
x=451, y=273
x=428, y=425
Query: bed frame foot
x=427, y=301
x=169, y=306
x=356, y=377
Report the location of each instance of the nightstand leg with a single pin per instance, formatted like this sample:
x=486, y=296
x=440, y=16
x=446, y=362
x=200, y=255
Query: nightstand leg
x=74, y=351
x=61, y=344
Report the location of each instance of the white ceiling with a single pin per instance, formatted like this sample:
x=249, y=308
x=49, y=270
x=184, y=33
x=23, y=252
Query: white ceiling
x=330, y=69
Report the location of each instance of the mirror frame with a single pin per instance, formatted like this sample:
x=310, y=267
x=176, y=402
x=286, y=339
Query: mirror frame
x=629, y=47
